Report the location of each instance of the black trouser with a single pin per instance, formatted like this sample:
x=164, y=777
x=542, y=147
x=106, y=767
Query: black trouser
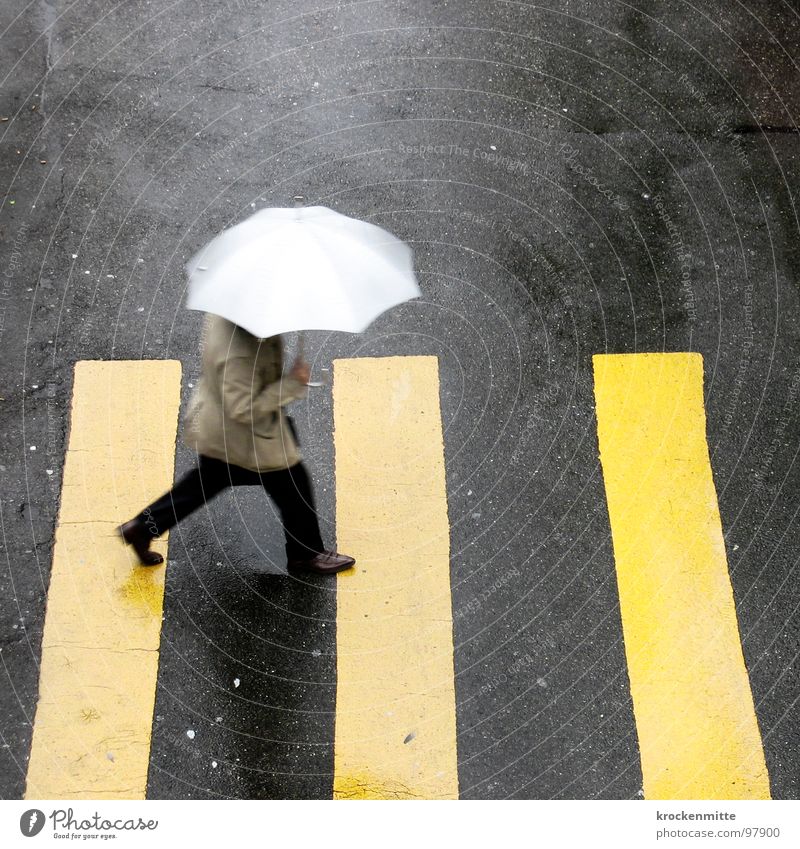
x=290, y=489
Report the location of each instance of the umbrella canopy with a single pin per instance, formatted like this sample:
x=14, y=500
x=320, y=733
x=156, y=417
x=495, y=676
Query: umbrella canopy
x=307, y=268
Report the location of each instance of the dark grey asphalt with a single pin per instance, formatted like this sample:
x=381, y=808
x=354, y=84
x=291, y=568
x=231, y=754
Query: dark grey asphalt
x=557, y=169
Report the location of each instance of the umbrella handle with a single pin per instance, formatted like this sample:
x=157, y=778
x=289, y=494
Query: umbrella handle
x=301, y=355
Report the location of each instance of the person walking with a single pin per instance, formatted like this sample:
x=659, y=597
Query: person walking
x=237, y=425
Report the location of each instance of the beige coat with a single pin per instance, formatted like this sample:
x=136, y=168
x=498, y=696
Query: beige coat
x=236, y=413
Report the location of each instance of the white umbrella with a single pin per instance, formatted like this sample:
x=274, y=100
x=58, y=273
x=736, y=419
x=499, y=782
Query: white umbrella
x=303, y=268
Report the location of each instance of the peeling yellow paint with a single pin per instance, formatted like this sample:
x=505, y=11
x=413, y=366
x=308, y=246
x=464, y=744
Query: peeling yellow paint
x=366, y=786
x=91, y=736
x=698, y=733
x=395, y=704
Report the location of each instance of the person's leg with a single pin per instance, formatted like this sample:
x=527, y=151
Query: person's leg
x=195, y=488
x=291, y=491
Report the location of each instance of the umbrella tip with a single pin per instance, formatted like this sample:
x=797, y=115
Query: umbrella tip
x=298, y=200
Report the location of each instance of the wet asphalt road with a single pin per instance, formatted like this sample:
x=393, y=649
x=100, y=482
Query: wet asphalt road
x=575, y=178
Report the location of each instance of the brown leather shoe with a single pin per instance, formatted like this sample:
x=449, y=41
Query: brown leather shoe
x=326, y=563
x=136, y=535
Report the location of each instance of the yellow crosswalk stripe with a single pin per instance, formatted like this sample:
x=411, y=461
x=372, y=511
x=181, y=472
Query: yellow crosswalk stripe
x=395, y=707
x=91, y=736
x=697, y=727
